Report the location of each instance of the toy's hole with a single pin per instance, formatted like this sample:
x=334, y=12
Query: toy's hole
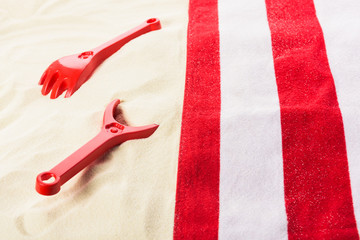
x=85, y=55
x=114, y=130
x=114, y=127
x=151, y=20
x=48, y=178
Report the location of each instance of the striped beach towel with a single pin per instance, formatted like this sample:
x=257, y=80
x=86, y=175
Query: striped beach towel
x=269, y=133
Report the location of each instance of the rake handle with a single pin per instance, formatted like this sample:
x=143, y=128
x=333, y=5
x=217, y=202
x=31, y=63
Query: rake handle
x=107, y=49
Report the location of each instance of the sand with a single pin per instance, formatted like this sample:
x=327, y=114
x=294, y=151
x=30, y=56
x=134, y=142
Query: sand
x=130, y=192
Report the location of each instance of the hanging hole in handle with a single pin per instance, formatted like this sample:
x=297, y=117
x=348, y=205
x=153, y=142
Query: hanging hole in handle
x=151, y=20
x=154, y=23
x=47, y=183
x=48, y=178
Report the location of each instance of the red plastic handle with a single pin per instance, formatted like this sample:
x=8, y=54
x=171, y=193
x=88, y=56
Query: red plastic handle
x=105, y=50
x=111, y=134
x=73, y=164
x=98, y=55
x=109, y=48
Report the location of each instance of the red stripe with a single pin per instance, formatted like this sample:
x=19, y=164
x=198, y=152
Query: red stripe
x=197, y=195
x=316, y=176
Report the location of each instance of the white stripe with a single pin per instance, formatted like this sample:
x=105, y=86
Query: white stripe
x=251, y=171
x=340, y=21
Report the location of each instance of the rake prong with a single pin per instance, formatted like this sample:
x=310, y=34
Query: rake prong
x=58, y=88
x=43, y=77
x=69, y=92
x=49, y=82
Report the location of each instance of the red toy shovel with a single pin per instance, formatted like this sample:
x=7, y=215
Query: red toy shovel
x=112, y=133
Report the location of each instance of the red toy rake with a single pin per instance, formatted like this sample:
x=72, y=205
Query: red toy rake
x=70, y=72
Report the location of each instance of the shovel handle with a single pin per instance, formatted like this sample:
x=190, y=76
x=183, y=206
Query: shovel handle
x=73, y=164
